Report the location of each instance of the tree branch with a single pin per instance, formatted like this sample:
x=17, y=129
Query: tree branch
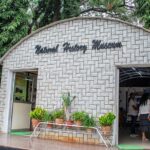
x=114, y=15
x=94, y=9
x=128, y=6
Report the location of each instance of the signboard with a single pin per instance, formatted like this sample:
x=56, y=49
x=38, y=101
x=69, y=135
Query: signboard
x=67, y=47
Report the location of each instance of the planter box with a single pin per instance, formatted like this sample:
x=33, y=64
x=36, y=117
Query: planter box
x=71, y=136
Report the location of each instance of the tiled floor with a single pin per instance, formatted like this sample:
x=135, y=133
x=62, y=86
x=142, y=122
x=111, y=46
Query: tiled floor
x=125, y=138
x=39, y=144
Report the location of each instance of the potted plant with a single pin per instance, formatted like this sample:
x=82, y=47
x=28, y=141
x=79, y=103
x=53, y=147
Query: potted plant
x=106, y=122
x=59, y=116
x=48, y=117
x=67, y=100
x=78, y=117
x=89, y=122
x=36, y=115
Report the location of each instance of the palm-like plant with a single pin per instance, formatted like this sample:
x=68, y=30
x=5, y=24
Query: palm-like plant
x=67, y=100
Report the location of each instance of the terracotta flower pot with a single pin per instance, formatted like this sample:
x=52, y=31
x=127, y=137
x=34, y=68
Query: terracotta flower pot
x=69, y=122
x=89, y=130
x=106, y=130
x=35, y=122
x=49, y=125
x=59, y=121
x=78, y=123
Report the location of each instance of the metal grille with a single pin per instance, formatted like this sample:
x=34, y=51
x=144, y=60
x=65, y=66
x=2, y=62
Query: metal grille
x=132, y=73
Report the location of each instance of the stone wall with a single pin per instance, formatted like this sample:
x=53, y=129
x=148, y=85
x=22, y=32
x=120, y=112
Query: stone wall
x=90, y=76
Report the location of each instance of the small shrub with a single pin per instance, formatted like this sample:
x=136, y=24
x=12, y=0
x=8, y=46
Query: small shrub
x=37, y=113
x=79, y=116
x=107, y=119
x=58, y=114
x=48, y=117
x=89, y=121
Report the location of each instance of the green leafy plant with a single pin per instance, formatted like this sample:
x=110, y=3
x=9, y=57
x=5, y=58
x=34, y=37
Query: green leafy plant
x=48, y=117
x=37, y=113
x=89, y=121
x=59, y=113
x=67, y=100
x=79, y=116
x=107, y=119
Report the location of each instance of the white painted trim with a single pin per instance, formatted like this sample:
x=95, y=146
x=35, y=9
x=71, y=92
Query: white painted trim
x=133, y=65
x=9, y=100
x=25, y=70
x=116, y=109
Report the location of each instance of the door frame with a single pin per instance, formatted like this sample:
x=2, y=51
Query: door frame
x=9, y=97
x=117, y=82
x=115, y=138
x=9, y=101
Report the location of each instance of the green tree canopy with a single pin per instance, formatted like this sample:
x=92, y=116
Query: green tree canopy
x=70, y=8
x=142, y=10
x=20, y=17
x=13, y=24
x=114, y=6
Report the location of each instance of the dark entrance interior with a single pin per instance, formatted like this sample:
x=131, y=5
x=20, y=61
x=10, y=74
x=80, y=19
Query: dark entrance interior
x=24, y=100
x=132, y=80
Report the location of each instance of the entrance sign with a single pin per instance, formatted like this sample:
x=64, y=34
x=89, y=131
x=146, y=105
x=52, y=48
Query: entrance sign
x=67, y=47
x=40, y=49
x=97, y=44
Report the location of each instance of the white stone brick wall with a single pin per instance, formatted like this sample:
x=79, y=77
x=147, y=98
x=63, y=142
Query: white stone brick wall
x=90, y=76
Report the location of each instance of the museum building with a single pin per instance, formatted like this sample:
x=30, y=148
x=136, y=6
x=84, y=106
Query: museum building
x=99, y=60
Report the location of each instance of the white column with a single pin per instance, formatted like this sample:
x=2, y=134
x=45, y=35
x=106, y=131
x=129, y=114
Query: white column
x=8, y=102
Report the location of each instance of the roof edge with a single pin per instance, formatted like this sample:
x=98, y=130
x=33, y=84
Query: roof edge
x=66, y=20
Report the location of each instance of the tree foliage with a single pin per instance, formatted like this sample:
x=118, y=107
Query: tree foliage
x=143, y=11
x=20, y=17
x=114, y=6
x=70, y=8
x=43, y=12
x=111, y=8
x=13, y=24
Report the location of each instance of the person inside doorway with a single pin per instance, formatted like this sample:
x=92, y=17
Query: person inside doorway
x=144, y=113
x=122, y=117
x=133, y=113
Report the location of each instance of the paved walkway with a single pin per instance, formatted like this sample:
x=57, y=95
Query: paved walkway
x=23, y=142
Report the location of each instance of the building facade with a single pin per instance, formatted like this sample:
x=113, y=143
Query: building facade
x=79, y=55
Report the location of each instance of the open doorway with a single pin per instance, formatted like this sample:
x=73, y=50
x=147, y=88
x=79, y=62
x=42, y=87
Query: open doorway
x=24, y=100
x=133, y=80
